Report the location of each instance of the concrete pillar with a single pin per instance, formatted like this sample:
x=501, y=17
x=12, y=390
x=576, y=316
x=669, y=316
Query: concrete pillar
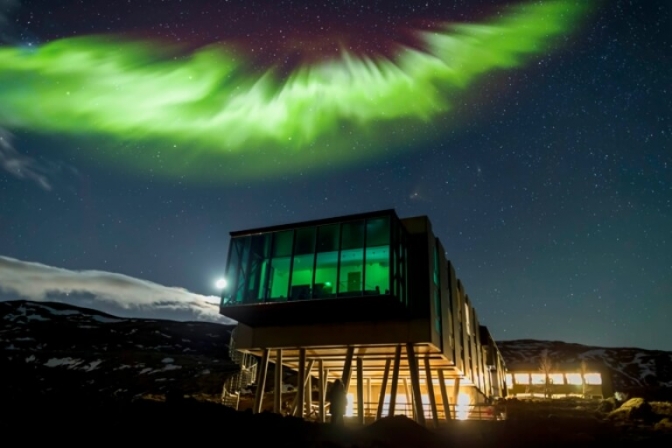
x=415, y=384
x=444, y=396
x=261, y=381
x=395, y=380
x=381, y=400
x=360, y=391
x=321, y=387
x=430, y=391
x=277, y=396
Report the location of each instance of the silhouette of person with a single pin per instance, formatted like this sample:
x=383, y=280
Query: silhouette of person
x=338, y=400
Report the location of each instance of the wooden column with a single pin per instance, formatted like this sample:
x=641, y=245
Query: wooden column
x=381, y=400
x=409, y=398
x=369, y=398
x=277, y=397
x=444, y=395
x=415, y=384
x=309, y=394
x=430, y=391
x=360, y=391
x=395, y=380
x=261, y=381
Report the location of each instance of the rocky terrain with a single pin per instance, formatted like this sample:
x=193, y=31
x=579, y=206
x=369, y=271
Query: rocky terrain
x=49, y=348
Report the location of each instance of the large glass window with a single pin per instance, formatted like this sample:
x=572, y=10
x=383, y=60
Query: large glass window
x=281, y=262
x=352, y=258
x=377, y=275
x=302, y=267
x=326, y=263
x=351, y=272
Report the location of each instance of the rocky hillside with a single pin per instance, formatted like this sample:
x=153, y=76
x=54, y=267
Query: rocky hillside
x=631, y=368
x=57, y=348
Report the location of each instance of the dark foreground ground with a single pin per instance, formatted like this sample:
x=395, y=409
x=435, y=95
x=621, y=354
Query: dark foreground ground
x=190, y=421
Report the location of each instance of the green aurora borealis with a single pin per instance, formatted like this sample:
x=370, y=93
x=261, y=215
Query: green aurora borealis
x=205, y=109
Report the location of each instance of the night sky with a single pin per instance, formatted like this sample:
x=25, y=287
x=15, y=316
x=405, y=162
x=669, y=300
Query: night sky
x=549, y=183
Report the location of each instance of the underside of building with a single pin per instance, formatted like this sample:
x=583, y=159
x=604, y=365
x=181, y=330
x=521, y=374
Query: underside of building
x=369, y=299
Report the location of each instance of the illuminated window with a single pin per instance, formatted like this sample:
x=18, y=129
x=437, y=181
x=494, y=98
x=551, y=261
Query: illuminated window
x=538, y=378
x=593, y=378
x=522, y=378
x=557, y=378
x=574, y=379
x=509, y=380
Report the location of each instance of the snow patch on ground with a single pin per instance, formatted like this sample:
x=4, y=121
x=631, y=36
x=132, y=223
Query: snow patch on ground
x=167, y=360
x=55, y=362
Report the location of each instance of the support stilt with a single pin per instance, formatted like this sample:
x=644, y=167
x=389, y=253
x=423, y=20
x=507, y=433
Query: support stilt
x=430, y=391
x=456, y=392
x=301, y=384
x=307, y=371
x=261, y=381
x=444, y=396
x=360, y=391
x=415, y=384
x=395, y=380
x=381, y=400
x=409, y=398
x=347, y=368
x=321, y=387
x=277, y=395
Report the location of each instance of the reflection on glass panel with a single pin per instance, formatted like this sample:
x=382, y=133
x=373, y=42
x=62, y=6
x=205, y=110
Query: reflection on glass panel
x=557, y=378
x=574, y=379
x=377, y=270
x=593, y=378
x=350, y=279
x=258, y=268
x=304, y=242
x=278, y=284
x=522, y=378
x=243, y=247
x=326, y=274
x=282, y=243
x=538, y=378
x=302, y=277
x=328, y=238
x=378, y=232
x=352, y=235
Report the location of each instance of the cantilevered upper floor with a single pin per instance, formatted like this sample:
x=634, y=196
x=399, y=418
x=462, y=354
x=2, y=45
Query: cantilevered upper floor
x=360, y=260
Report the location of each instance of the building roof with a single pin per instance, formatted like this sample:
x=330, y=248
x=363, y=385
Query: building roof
x=316, y=222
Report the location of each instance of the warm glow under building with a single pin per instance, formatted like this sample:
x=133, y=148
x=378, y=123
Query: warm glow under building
x=592, y=380
x=367, y=298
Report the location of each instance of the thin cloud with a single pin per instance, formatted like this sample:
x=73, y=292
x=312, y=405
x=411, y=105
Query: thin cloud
x=116, y=294
x=21, y=166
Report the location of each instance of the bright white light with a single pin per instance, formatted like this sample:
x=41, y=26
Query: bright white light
x=462, y=407
x=221, y=283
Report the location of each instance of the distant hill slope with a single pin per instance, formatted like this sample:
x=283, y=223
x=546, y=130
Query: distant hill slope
x=54, y=347
x=631, y=368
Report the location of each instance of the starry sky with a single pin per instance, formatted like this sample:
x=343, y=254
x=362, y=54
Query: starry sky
x=548, y=182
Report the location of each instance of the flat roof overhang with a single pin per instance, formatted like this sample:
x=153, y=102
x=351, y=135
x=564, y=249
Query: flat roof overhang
x=342, y=309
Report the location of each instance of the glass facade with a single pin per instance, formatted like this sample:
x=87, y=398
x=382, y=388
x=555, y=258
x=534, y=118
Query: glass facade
x=358, y=257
